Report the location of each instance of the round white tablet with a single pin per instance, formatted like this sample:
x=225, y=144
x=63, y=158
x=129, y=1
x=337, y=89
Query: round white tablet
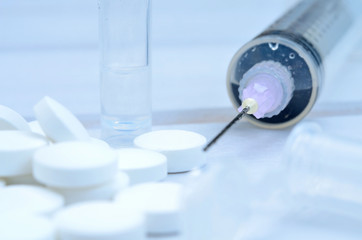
x=104, y=191
x=29, y=199
x=16, y=151
x=183, y=149
x=11, y=120
x=99, y=221
x=36, y=128
x=99, y=141
x=161, y=203
x=142, y=165
x=74, y=164
x=22, y=179
x=25, y=227
x=2, y=183
x=58, y=122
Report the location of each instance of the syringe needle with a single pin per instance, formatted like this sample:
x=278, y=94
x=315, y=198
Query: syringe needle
x=238, y=117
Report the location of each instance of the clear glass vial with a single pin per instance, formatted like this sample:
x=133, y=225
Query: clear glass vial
x=125, y=90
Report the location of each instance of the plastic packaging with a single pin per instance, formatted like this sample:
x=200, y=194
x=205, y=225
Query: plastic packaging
x=233, y=200
x=324, y=171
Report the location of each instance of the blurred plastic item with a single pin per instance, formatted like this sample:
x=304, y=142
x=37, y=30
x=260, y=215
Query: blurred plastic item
x=324, y=171
x=233, y=200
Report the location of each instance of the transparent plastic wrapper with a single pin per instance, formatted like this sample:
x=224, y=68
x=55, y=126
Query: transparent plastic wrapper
x=324, y=176
x=315, y=191
x=125, y=69
x=233, y=201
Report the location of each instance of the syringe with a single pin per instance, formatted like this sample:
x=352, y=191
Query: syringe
x=279, y=73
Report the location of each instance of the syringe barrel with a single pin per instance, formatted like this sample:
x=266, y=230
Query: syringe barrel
x=320, y=23
x=300, y=41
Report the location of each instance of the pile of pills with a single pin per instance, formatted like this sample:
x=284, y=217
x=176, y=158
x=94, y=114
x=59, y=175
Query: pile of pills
x=57, y=182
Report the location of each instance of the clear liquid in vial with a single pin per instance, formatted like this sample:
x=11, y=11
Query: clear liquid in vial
x=125, y=104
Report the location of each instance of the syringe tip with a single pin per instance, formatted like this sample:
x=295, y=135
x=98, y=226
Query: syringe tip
x=238, y=117
x=250, y=104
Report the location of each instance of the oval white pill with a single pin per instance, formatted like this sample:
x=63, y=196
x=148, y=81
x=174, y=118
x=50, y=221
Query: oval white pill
x=99, y=141
x=58, y=122
x=22, y=179
x=183, y=149
x=142, y=165
x=29, y=199
x=36, y=128
x=161, y=203
x=16, y=151
x=25, y=227
x=99, y=220
x=104, y=191
x=74, y=164
x=11, y=120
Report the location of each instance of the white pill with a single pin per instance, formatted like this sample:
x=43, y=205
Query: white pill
x=104, y=191
x=99, y=221
x=29, y=199
x=99, y=141
x=16, y=151
x=142, y=165
x=161, y=203
x=74, y=164
x=22, y=179
x=25, y=227
x=183, y=149
x=11, y=120
x=2, y=183
x=36, y=128
x=58, y=122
